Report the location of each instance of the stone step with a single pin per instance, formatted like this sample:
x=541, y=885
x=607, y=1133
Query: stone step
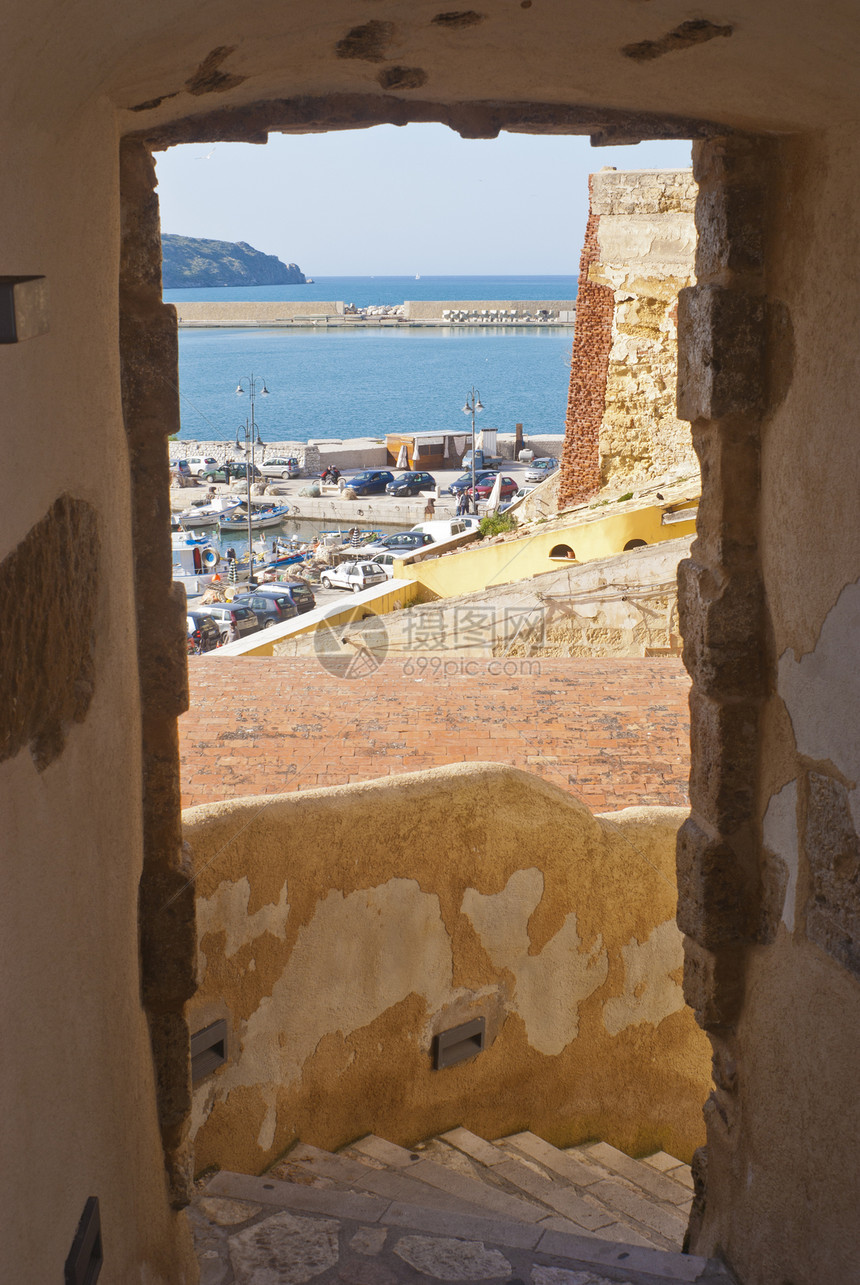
x=626, y=1202
x=558, y=1196
x=570, y=1167
x=671, y=1167
x=656, y=1184
x=478, y=1193
x=386, y=1153
x=394, y=1184
x=585, y=1217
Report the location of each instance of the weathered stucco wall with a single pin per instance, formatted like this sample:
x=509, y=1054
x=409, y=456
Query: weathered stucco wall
x=646, y=239
x=341, y=929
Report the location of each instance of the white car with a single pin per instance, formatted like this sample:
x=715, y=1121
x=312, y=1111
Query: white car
x=353, y=575
x=386, y=561
x=283, y=466
x=198, y=464
x=540, y=470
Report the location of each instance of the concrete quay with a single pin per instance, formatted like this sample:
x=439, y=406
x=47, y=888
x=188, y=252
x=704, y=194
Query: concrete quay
x=412, y=313
x=331, y=509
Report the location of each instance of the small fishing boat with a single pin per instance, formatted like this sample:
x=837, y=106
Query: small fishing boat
x=261, y=518
x=210, y=513
x=284, y=553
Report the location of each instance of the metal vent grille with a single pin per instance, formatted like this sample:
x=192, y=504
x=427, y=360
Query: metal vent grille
x=208, y=1050
x=458, y=1044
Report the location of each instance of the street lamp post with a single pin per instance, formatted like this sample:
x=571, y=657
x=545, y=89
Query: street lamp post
x=252, y=439
x=473, y=407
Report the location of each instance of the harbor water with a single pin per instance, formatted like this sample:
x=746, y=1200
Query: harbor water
x=368, y=383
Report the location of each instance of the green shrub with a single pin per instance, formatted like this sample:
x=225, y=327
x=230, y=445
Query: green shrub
x=497, y=524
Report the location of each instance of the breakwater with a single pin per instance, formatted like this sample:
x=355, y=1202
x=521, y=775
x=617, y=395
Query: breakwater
x=412, y=313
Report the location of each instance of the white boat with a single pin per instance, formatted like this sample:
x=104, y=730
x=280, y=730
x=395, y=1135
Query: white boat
x=209, y=514
x=195, y=561
x=261, y=518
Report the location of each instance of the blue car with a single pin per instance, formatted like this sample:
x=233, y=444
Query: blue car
x=411, y=484
x=463, y=483
x=370, y=482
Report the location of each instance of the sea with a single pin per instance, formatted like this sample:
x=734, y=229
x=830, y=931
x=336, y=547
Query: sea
x=369, y=382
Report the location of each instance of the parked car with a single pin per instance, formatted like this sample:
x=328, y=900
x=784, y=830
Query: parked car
x=198, y=464
x=386, y=561
x=402, y=542
x=180, y=466
x=203, y=633
x=464, y=482
x=411, y=484
x=299, y=593
x=230, y=472
x=269, y=608
x=370, y=482
x=539, y=470
x=447, y=528
x=225, y=614
x=284, y=466
x=483, y=489
x=353, y=575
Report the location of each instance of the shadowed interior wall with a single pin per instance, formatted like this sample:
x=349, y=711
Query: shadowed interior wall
x=76, y=1078
x=769, y=864
x=341, y=929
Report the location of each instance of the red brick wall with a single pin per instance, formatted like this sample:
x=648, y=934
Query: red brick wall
x=592, y=338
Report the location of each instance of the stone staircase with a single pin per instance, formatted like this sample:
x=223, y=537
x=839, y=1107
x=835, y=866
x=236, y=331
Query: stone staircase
x=517, y=1211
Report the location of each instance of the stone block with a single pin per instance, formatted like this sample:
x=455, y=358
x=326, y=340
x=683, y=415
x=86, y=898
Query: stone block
x=722, y=624
x=714, y=904
x=832, y=849
x=727, y=524
x=730, y=226
x=721, y=345
x=713, y=983
x=724, y=742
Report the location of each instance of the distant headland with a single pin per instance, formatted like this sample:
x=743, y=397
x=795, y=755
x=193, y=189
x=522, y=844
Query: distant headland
x=193, y=261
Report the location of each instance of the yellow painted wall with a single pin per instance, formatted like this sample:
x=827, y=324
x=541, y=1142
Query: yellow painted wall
x=339, y=929
x=268, y=641
x=497, y=564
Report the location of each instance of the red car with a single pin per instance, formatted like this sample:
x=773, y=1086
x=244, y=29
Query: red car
x=484, y=489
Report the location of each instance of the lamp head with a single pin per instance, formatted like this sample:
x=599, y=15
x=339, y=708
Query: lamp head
x=239, y=390
x=478, y=405
x=264, y=392
x=467, y=409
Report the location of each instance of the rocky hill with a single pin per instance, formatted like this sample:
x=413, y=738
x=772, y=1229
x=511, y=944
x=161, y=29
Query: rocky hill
x=192, y=261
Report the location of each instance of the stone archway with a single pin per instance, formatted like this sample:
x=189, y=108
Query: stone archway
x=722, y=393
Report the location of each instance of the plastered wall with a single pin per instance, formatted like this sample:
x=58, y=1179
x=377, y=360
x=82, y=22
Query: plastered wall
x=340, y=929
x=77, y=1072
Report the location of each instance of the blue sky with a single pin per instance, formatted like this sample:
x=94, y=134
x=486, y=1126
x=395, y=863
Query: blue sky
x=396, y=201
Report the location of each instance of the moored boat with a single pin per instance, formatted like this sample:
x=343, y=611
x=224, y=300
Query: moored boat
x=209, y=514
x=195, y=561
x=261, y=518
